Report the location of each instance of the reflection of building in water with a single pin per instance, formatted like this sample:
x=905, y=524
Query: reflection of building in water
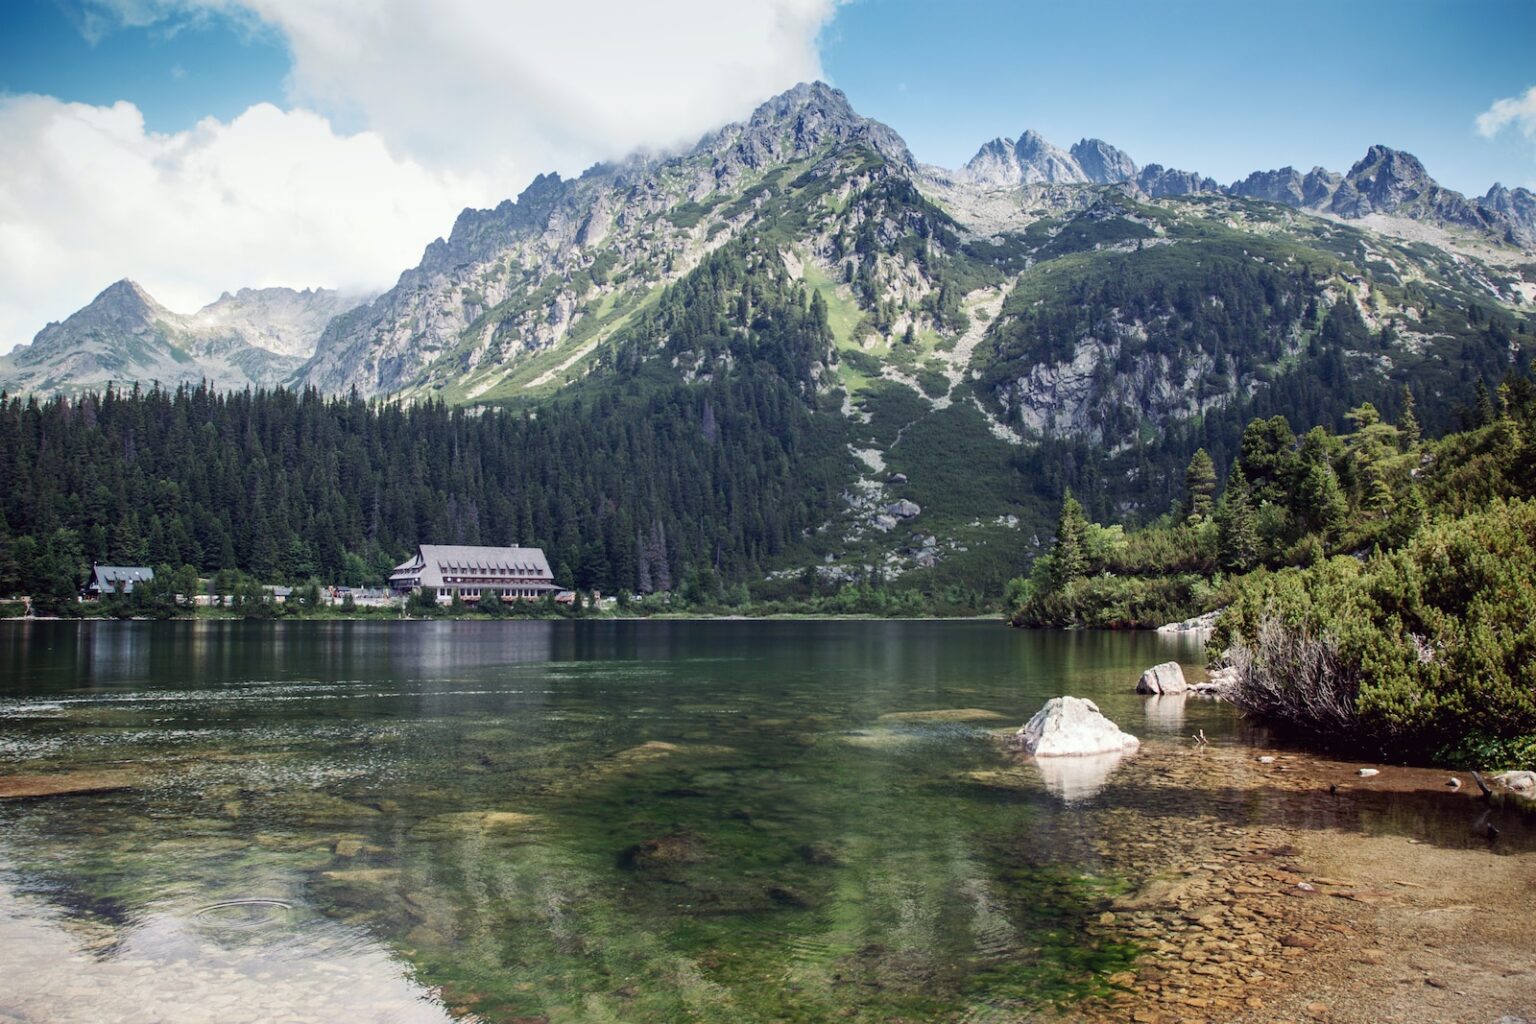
x=1077, y=778
x=473, y=574
x=114, y=651
x=1165, y=712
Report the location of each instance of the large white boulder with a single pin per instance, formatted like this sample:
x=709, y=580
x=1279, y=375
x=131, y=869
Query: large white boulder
x=1073, y=727
x=1165, y=678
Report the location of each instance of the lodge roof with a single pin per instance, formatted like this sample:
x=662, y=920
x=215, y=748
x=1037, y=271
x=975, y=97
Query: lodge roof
x=435, y=561
x=107, y=577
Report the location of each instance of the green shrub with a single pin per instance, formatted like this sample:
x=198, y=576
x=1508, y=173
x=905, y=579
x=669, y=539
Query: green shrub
x=1430, y=651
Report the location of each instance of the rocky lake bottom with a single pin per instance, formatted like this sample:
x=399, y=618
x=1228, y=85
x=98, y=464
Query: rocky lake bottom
x=696, y=821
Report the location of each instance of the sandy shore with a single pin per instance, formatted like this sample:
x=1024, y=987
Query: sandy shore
x=1299, y=891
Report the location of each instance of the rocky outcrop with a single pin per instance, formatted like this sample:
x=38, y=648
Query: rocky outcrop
x=1199, y=624
x=1165, y=678
x=1072, y=727
x=1159, y=182
x=1516, y=210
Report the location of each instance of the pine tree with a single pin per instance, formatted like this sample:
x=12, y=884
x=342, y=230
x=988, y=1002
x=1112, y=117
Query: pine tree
x=1483, y=405
x=1237, y=536
x=1069, y=559
x=1200, y=486
x=1407, y=422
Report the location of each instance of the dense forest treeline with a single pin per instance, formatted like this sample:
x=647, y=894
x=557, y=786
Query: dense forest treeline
x=634, y=484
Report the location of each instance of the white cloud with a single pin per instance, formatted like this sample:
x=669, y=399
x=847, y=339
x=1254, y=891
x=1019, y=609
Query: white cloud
x=543, y=85
x=1517, y=111
x=458, y=102
x=87, y=196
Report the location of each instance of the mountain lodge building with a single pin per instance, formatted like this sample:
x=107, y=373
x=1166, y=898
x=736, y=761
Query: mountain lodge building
x=473, y=574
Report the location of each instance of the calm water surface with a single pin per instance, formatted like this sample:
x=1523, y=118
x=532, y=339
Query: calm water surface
x=647, y=821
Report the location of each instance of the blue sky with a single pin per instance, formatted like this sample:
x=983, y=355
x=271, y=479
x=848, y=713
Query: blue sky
x=203, y=145
x=1222, y=88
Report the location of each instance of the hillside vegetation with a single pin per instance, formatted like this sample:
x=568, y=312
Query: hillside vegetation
x=1379, y=590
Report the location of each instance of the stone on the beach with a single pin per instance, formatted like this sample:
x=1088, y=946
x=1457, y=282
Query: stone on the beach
x=1199, y=624
x=1165, y=678
x=1523, y=783
x=1073, y=727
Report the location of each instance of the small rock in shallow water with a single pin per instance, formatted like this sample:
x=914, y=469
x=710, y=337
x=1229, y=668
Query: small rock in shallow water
x=1266, y=759
x=1366, y=773
x=1453, y=782
x=1165, y=678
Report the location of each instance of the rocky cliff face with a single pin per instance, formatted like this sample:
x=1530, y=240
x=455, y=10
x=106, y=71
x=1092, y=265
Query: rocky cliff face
x=256, y=337
x=514, y=282
x=1158, y=182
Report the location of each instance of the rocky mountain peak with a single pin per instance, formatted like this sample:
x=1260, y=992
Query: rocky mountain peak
x=799, y=121
x=125, y=298
x=1038, y=161
x=1102, y=163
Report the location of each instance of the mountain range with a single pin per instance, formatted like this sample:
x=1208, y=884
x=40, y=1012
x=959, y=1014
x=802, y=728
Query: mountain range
x=257, y=337
x=974, y=340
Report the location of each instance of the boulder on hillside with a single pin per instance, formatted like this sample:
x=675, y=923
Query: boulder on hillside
x=904, y=509
x=1072, y=727
x=1165, y=678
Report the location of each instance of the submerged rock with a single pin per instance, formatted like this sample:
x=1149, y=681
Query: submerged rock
x=661, y=852
x=20, y=787
x=1072, y=727
x=942, y=715
x=1165, y=678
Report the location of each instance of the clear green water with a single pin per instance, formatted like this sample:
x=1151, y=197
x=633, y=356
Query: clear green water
x=649, y=821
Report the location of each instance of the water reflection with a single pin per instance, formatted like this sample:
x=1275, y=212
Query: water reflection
x=1074, y=779
x=170, y=968
x=1165, y=712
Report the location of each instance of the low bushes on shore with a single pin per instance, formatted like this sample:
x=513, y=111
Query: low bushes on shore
x=1428, y=651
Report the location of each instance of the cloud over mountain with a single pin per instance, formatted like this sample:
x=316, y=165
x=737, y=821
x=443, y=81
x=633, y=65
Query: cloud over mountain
x=401, y=114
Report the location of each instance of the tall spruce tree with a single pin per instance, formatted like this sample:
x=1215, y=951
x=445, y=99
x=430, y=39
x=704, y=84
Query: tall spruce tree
x=1237, y=535
x=1200, y=486
x=1069, y=556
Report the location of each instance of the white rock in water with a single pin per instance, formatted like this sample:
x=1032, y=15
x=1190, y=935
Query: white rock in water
x=1523, y=783
x=1165, y=678
x=1366, y=773
x=1073, y=727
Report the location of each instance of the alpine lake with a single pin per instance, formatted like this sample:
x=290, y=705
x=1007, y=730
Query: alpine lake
x=725, y=820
